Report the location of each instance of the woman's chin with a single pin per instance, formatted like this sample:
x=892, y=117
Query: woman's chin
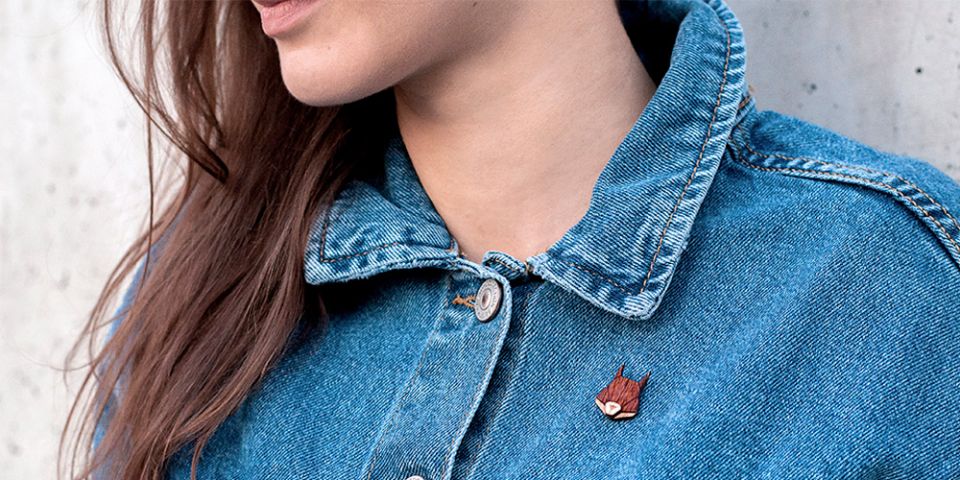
x=318, y=88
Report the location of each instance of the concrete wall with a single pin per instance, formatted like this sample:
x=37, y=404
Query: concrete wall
x=73, y=183
x=72, y=193
x=883, y=72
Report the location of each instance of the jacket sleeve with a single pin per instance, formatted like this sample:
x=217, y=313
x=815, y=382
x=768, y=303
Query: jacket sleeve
x=118, y=316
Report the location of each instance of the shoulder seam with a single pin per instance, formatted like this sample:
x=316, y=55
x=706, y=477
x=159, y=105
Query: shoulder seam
x=946, y=228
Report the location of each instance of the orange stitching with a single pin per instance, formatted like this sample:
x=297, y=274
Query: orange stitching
x=703, y=148
x=598, y=274
x=467, y=301
x=843, y=175
x=743, y=102
x=855, y=167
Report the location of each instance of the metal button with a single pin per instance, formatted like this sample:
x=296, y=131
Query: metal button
x=414, y=477
x=488, y=300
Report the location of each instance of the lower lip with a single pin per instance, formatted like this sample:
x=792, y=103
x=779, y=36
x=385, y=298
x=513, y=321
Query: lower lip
x=284, y=16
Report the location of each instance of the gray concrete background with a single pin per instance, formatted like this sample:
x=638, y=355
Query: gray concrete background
x=73, y=182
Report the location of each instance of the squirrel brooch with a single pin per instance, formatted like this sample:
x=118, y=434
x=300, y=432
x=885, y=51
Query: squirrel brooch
x=620, y=399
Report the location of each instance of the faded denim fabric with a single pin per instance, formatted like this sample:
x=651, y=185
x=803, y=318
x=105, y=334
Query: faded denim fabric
x=794, y=294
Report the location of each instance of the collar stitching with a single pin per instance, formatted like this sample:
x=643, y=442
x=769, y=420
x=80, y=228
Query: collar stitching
x=703, y=148
x=595, y=273
x=676, y=205
x=380, y=247
x=511, y=267
x=328, y=219
x=365, y=252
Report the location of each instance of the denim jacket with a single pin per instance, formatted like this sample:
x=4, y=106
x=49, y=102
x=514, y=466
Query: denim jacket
x=794, y=296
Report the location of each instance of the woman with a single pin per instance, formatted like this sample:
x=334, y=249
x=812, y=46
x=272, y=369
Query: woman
x=431, y=240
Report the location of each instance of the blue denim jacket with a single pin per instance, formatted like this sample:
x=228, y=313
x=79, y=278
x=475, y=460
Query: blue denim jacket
x=794, y=295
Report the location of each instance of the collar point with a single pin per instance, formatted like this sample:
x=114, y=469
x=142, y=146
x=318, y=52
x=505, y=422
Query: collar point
x=379, y=259
x=599, y=289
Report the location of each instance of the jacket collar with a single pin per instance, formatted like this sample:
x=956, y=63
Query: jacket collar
x=623, y=253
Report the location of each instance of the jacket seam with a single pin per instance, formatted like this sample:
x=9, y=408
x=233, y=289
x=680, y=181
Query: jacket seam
x=856, y=167
x=739, y=158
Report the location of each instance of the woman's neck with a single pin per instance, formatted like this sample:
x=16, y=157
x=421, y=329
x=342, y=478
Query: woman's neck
x=509, y=137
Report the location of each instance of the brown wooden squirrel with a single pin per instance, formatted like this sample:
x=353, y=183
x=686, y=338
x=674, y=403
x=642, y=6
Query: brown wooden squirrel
x=620, y=399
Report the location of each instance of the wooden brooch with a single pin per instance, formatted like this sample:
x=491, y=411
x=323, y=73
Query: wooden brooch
x=620, y=399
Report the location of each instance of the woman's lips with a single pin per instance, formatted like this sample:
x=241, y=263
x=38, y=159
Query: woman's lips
x=279, y=16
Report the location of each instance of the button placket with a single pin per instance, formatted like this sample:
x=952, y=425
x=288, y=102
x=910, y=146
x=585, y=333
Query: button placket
x=421, y=435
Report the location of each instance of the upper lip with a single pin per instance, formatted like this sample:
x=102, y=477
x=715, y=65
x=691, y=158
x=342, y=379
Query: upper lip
x=268, y=3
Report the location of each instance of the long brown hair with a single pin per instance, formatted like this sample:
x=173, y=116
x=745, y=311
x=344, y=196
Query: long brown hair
x=223, y=291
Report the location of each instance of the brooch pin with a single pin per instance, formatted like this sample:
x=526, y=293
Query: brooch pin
x=620, y=399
